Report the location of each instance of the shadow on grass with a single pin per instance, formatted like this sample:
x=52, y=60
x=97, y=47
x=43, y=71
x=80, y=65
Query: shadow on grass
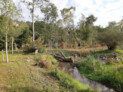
x=22, y=89
x=103, y=51
x=15, y=52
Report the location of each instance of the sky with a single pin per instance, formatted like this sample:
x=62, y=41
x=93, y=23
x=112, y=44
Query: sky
x=105, y=10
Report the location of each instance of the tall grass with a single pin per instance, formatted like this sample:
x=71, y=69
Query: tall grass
x=107, y=74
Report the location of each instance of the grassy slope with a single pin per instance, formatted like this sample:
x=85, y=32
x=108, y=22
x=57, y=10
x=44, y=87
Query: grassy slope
x=21, y=76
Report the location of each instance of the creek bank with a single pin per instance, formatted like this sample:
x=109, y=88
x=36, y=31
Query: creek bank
x=109, y=74
x=93, y=63
x=73, y=71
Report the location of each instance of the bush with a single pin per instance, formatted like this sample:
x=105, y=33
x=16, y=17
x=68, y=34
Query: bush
x=41, y=49
x=47, y=58
x=28, y=48
x=111, y=39
x=90, y=63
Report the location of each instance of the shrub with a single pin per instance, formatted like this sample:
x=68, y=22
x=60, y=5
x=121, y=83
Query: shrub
x=43, y=61
x=46, y=58
x=41, y=49
x=28, y=48
x=111, y=39
x=90, y=63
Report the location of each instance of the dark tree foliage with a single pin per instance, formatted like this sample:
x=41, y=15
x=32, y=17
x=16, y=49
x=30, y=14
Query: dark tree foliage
x=2, y=41
x=23, y=38
x=40, y=28
x=90, y=20
x=48, y=31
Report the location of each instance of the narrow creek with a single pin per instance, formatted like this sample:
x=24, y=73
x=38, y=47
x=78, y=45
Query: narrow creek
x=74, y=72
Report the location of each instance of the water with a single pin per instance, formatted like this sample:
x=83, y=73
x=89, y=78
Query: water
x=73, y=71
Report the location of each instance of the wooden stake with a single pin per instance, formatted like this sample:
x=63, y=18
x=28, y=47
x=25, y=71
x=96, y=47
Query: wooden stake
x=3, y=55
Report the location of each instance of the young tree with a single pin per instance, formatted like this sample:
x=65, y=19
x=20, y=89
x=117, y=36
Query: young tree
x=50, y=16
x=16, y=30
x=32, y=6
x=86, y=29
x=67, y=16
x=8, y=10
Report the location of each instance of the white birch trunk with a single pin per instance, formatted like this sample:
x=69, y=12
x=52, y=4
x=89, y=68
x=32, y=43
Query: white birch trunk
x=7, y=60
x=12, y=45
x=33, y=29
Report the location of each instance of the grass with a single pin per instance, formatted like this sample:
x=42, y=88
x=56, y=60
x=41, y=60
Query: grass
x=110, y=74
x=119, y=51
x=108, y=53
x=20, y=75
x=68, y=82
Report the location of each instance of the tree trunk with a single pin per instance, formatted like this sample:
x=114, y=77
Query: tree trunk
x=62, y=59
x=112, y=47
x=12, y=45
x=7, y=48
x=33, y=29
x=3, y=55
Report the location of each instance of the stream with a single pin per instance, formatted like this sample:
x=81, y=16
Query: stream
x=74, y=72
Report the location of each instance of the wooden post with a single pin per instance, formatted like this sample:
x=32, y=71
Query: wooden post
x=36, y=50
x=16, y=48
x=3, y=55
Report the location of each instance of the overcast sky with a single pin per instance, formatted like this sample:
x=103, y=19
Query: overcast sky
x=104, y=10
